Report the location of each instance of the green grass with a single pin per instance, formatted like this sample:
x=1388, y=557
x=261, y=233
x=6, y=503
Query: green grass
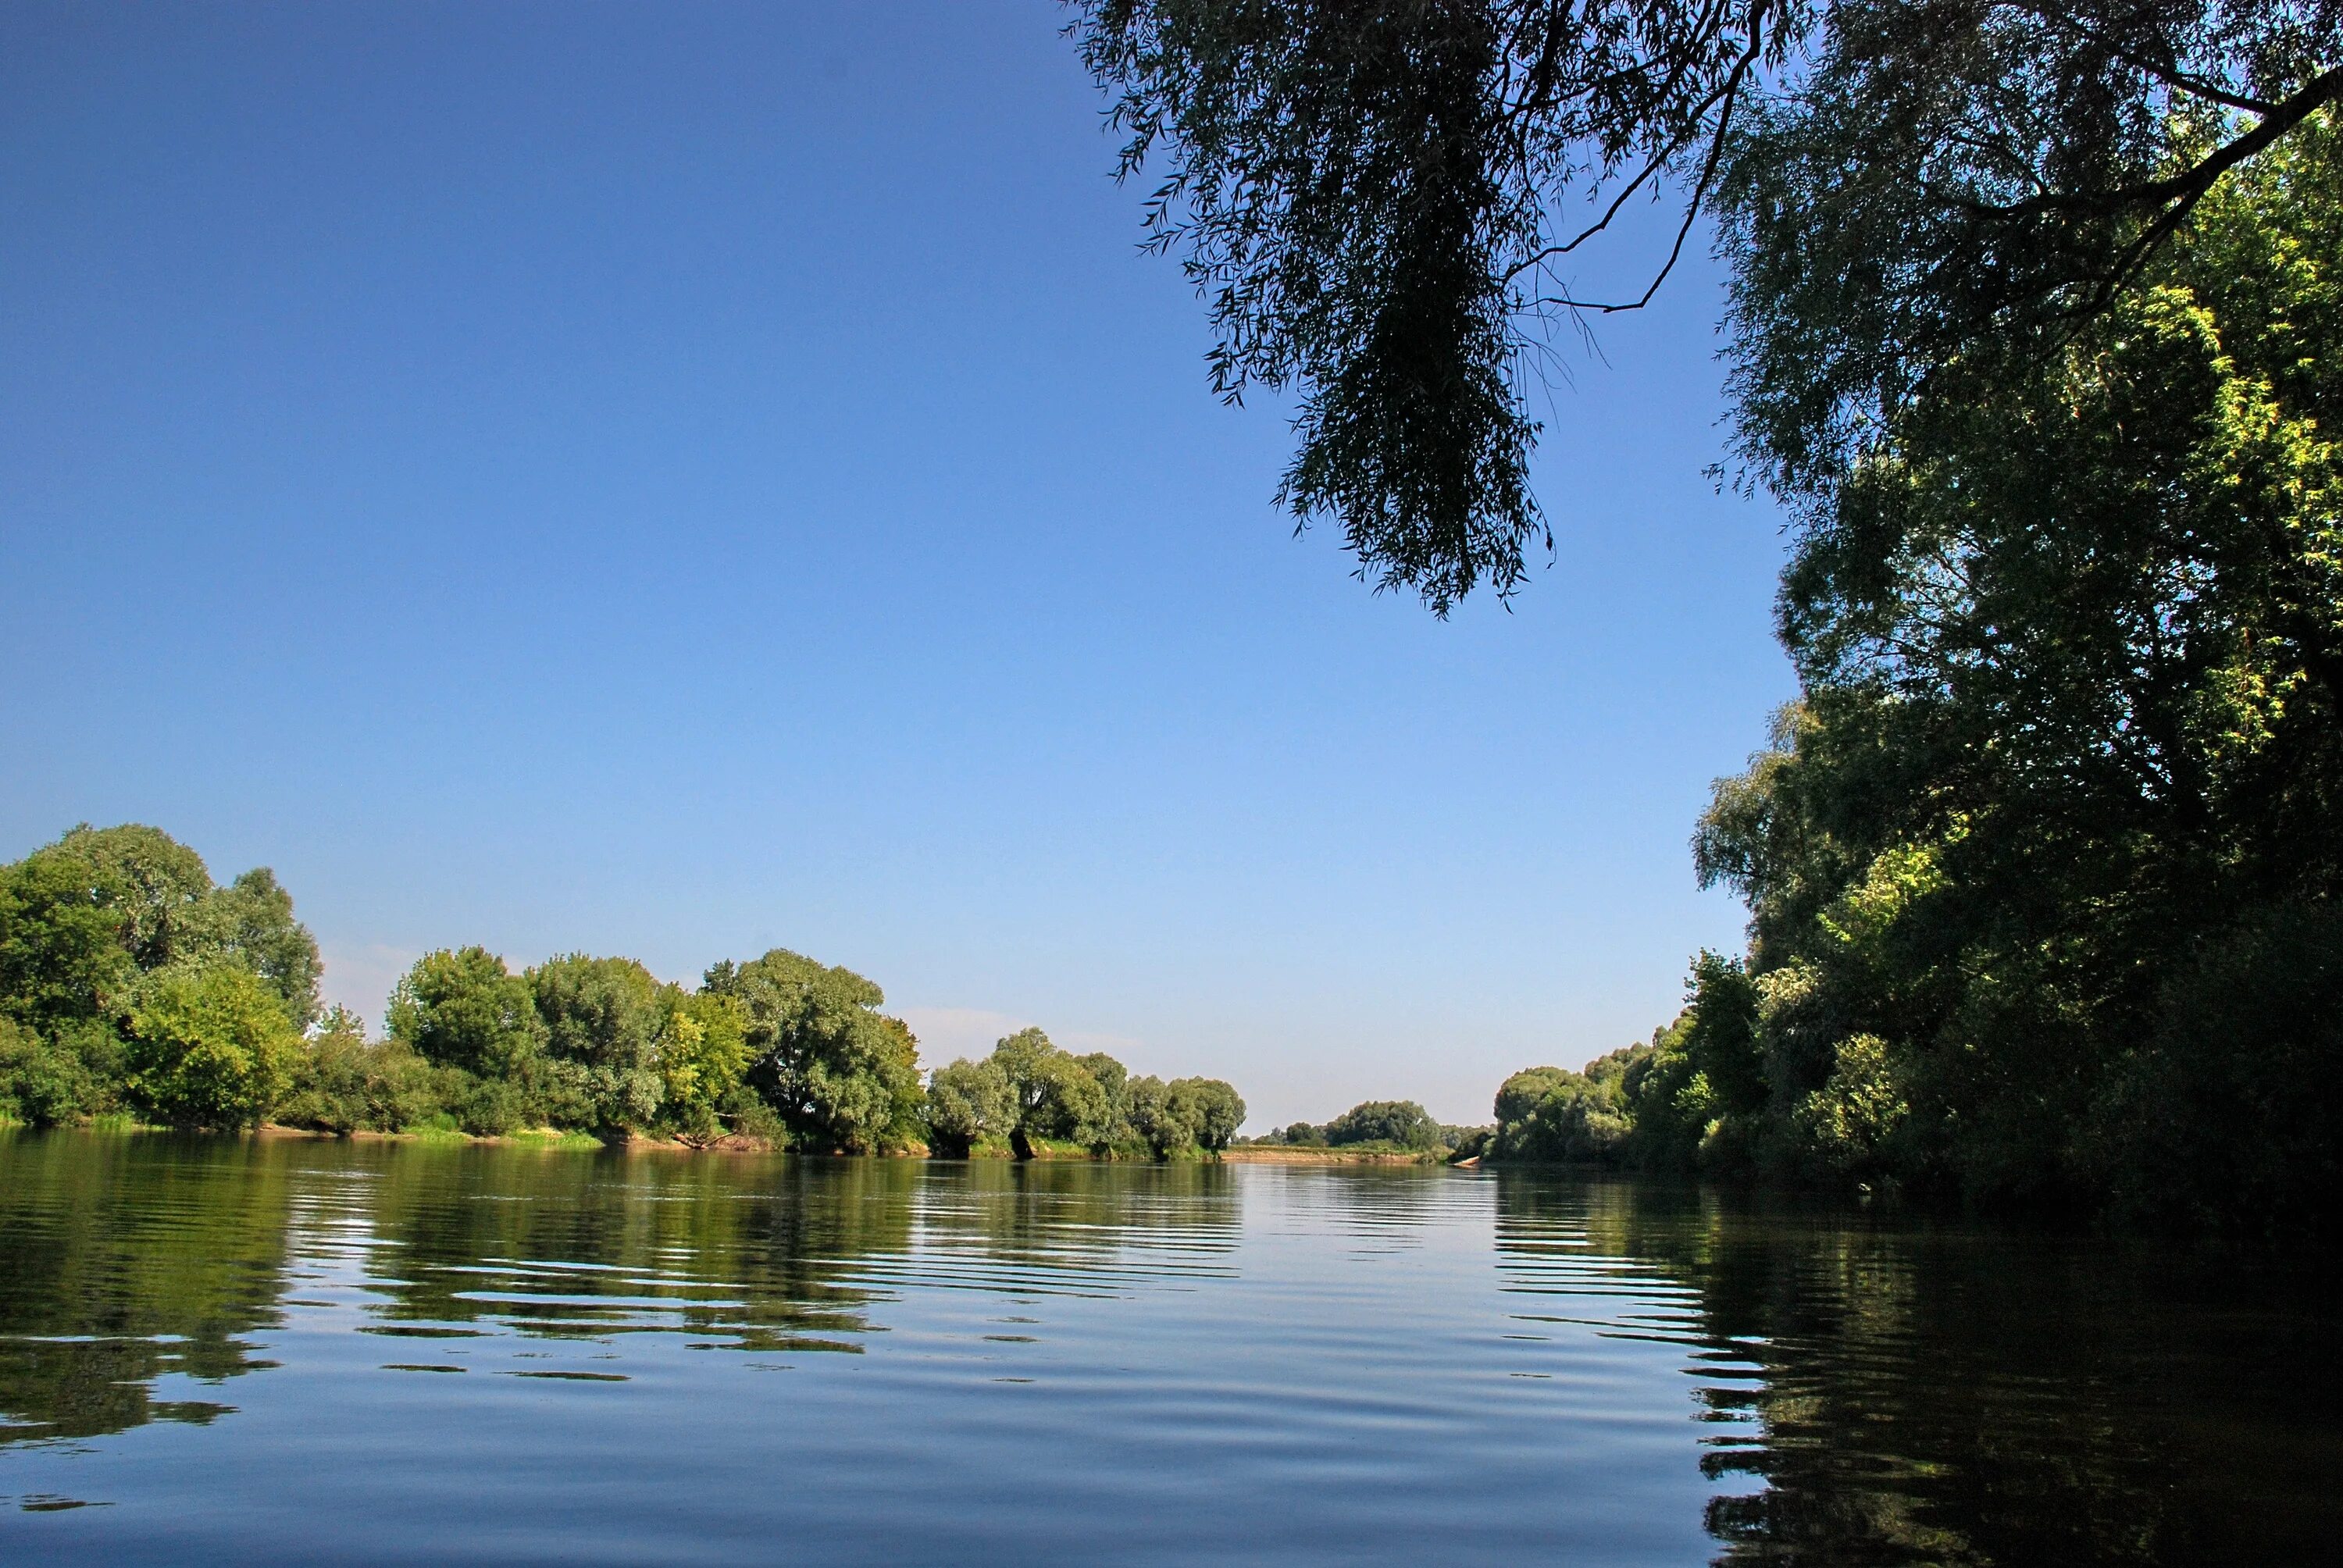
x=553, y=1138
x=118, y=1121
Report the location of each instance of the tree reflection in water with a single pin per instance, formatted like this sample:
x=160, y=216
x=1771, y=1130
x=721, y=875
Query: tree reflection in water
x=1955, y=1394
x=126, y=1259
x=1863, y=1387
x=123, y=1260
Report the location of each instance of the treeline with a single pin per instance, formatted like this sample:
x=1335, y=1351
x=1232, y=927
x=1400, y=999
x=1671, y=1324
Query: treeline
x=132, y=986
x=1400, y=1126
x=1031, y=1099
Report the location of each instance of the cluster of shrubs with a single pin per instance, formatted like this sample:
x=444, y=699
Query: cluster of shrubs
x=1553, y=1116
x=1031, y=1098
x=132, y=985
x=1397, y=1126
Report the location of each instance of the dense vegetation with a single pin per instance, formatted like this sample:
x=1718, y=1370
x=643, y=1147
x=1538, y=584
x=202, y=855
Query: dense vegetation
x=1031, y=1098
x=1397, y=1126
x=2033, y=310
x=132, y=986
x=2042, y=865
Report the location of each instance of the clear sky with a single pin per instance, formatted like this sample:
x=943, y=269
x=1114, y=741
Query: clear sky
x=676, y=480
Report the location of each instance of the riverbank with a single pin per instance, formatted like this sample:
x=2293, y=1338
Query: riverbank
x=1309, y=1154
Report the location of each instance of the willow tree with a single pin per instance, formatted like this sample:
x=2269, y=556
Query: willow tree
x=1384, y=205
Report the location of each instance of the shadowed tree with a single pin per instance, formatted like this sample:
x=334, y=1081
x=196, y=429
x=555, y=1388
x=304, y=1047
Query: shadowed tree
x=1381, y=206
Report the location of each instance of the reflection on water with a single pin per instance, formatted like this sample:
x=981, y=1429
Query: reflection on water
x=1955, y=1395
x=120, y=1263
x=406, y=1351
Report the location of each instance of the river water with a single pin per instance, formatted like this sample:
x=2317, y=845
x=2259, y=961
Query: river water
x=219, y=1349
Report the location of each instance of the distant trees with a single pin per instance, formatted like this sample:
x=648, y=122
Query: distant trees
x=1550, y=1114
x=1400, y=1126
x=841, y=1074
x=129, y=982
x=462, y=1008
x=1032, y=1097
x=971, y=1106
x=1401, y=1123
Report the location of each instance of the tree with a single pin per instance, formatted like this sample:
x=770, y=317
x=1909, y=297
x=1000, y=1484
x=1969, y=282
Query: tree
x=148, y=882
x=1551, y=1115
x=1522, y=1093
x=2069, y=750
x=48, y=1078
x=1114, y=1080
x=839, y=1072
x=62, y=952
x=969, y=1103
x=251, y=920
x=209, y=1045
x=1217, y=1109
x=1379, y=203
x=345, y=1081
x=605, y=1022
x=1401, y=1123
x=1171, y=1124
x=461, y=1006
x=704, y=1057
x=1057, y=1099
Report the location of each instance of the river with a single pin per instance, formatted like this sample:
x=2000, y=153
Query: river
x=224, y=1351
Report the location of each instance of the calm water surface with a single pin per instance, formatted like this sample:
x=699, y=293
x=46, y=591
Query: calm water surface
x=216, y=1351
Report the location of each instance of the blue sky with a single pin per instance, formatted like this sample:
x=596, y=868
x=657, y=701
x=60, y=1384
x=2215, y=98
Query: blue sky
x=679, y=480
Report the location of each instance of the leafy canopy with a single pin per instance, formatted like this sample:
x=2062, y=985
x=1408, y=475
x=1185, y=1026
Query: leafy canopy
x=1382, y=204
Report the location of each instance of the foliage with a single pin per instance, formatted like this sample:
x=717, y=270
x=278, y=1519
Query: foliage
x=2040, y=867
x=1378, y=203
x=841, y=1074
x=1401, y=1123
x=970, y=1104
x=462, y=1008
x=81, y=919
x=209, y=1046
x=1549, y=1115
x=1042, y=1100
x=343, y=1082
x=251, y=922
x=705, y=1056
x=1055, y=1097
x=605, y=1022
x=130, y=986
x=60, y=1075
x=1217, y=1109
x=1168, y=1123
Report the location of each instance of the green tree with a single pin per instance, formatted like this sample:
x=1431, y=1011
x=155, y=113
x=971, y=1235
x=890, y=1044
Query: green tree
x=251, y=920
x=1380, y=205
x=704, y=1060
x=345, y=1081
x=605, y=1023
x=1058, y=1100
x=1113, y=1080
x=841, y=1073
x=461, y=1006
x=2070, y=738
x=1549, y=1115
x=1218, y=1110
x=48, y=1078
x=1171, y=1124
x=970, y=1104
x=1403, y=1123
x=62, y=952
x=210, y=1045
